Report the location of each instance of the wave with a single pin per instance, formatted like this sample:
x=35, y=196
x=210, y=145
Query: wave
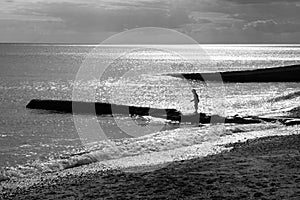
x=285, y=97
x=129, y=147
x=295, y=112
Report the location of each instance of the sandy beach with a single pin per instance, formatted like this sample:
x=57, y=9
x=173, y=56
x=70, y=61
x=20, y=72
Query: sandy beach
x=264, y=168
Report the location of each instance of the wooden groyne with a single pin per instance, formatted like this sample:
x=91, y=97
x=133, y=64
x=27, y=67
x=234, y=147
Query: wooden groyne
x=99, y=108
x=277, y=74
x=109, y=109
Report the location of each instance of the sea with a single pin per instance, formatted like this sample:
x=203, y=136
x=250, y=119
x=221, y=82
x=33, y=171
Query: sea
x=36, y=140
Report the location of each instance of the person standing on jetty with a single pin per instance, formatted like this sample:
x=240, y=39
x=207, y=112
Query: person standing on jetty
x=195, y=100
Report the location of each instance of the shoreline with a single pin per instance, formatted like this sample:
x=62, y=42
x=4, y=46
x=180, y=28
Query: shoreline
x=244, y=171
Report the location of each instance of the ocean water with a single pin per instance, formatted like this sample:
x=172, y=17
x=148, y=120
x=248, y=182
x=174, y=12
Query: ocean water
x=132, y=75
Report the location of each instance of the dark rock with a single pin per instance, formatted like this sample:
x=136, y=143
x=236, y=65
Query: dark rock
x=3, y=178
x=258, y=194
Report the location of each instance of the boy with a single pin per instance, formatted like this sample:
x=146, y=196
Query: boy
x=195, y=100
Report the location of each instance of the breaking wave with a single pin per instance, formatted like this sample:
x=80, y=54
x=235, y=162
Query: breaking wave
x=286, y=97
x=156, y=142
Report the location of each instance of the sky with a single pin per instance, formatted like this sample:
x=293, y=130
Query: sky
x=206, y=21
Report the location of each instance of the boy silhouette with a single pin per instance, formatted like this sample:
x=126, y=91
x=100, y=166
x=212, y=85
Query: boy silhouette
x=195, y=100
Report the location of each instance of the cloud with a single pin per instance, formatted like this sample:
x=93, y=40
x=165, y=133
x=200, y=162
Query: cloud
x=261, y=1
x=278, y=12
x=236, y=21
x=271, y=26
x=114, y=17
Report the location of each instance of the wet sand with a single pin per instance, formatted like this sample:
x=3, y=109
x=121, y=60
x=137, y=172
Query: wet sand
x=264, y=168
